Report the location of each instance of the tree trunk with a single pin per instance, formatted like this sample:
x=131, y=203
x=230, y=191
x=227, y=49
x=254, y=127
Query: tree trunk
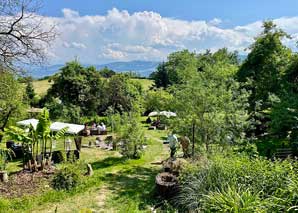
x=193, y=140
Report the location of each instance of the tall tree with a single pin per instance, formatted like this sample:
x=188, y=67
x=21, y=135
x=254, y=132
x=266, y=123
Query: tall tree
x=24, y=35
x=30, y=91
x=212, y=104
x=180, y=67
x=78, y=86
x=122, y=92
x=265, y=64
x=11, y=99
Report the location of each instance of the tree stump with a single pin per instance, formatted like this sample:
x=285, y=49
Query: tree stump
x=3, y=176
x=166, y=184
x=89, y=170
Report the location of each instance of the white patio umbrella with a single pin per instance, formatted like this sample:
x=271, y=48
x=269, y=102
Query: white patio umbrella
x=168, y=114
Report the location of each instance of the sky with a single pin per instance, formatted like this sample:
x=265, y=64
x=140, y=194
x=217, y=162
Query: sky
x=102, y=31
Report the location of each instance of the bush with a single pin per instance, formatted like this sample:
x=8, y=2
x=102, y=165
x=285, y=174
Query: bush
x=226, y=183
x=65, y=179
x=232, y=200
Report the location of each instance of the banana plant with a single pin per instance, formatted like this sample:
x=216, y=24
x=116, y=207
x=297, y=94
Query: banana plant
x=27, y=138
x=36, y=139
x=5, y=155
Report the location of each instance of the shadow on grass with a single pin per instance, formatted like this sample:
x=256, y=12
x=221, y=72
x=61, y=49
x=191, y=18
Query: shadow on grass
x=136, y=185
x=107, y=162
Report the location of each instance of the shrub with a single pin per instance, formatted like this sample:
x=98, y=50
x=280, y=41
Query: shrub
x=224, y=181
x=65, y=179
x=232, y=200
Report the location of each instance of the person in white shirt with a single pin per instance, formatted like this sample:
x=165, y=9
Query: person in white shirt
x=101, y=127
x=173, y=143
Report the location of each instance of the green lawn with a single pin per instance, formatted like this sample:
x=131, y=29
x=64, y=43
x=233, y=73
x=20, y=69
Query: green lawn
x=118, y=185
x=41, y=87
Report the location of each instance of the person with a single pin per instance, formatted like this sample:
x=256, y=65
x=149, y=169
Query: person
x=102, y=127
x=148, y=120
x=93, y=125
x=173, y=143
x=185, y=142
x=86, y=130
x=156, y=123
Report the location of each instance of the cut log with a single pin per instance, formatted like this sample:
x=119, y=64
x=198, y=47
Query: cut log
x=89, y=170
x=3, y=176
x=166, y=184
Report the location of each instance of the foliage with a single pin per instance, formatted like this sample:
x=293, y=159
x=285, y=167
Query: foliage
x=33, y=139
x=215, y=105
x=179, y=68
x=227, y=183
x=79, y=91
x=225, y=62
x=233, y=200
x=106, y=72
x=30, y=92
x=5, y=155
x=65, y=179
x=79, y=86
x=265, y=64
x=129, y=131
x=132, y=136
x=122, y=92
x=11, y=100
x=157, y=100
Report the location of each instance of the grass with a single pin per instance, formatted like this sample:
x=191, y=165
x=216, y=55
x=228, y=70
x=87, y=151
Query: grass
x=41, y=86
x=146, y=83
x=118, y=185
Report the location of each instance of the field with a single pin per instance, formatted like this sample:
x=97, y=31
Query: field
x=41, y=86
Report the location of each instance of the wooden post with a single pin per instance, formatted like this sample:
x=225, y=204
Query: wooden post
x=193, y=140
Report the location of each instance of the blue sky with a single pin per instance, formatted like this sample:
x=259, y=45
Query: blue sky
x=102, y=31
x=232, y=12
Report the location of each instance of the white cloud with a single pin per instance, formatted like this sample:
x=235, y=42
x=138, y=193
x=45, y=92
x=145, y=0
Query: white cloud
x=215, y=21
x=112, y=54
x=75, y=45
x=120, y=35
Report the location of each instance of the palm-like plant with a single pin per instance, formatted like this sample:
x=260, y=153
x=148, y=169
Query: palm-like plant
x=33, y=139
x=5, y=155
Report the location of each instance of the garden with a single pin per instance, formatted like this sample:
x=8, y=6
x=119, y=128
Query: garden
x=205, y=132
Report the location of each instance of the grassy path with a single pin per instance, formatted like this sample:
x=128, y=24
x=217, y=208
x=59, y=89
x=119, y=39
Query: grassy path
x=119, y=186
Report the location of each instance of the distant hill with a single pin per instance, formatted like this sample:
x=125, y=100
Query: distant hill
x=144, y=68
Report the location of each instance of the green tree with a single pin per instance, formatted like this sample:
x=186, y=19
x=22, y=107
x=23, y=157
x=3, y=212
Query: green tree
x=121, y=92
x=30, y=92
x=226, y=62
x=214, y=105
x=79, y=86
x=12, y=104
x=106, y=72
x=265, y=65
x=161, y=76
x=158, y=100
x=180, y=67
